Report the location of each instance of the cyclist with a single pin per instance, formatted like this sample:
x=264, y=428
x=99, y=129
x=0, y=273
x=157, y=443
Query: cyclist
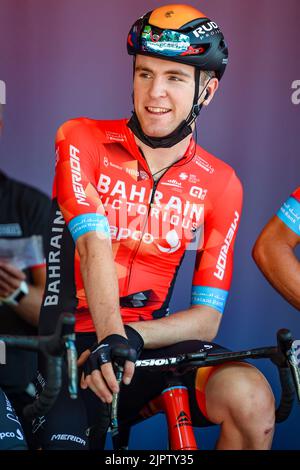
x=129, y=198
x=274, y=250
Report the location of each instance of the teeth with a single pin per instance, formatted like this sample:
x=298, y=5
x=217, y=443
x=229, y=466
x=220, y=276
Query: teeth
x=157, y=110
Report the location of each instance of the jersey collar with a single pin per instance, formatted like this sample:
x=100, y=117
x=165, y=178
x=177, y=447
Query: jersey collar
x=132, y=146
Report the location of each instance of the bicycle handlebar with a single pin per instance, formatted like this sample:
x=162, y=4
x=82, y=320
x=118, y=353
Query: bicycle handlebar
x=283, y=356
x=53, y=348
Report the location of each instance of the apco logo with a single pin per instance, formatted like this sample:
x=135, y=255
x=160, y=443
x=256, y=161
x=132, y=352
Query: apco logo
x=206, y=28
x=2, y=92
x=296, y=94
x=172, y=243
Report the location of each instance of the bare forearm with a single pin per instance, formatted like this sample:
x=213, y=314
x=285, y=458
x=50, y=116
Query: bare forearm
x=200, y=323
x=29, y=306
x=282, y=269
x=101, y=288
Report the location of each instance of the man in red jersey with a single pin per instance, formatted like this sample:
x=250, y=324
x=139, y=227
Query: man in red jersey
x=274, y=250
x=130, y=197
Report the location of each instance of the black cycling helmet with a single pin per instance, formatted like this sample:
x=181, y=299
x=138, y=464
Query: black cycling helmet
x=182, y=34
x=179, y=33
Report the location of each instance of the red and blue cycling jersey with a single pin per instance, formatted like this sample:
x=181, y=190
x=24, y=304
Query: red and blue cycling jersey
x=289, y=212
x=103, y=184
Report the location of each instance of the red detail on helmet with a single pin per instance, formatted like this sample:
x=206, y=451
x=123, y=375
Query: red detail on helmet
x=153, y=39
x=129, y=40
x=191, y=51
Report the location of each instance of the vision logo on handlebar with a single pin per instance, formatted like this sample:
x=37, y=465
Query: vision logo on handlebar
x=2, y=353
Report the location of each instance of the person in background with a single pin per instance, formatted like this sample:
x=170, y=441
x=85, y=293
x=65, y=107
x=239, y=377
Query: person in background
x=274, y=250
x=23, y=220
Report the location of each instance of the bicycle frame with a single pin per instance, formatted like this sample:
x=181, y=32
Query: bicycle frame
x=174, y=399
x=174, y=402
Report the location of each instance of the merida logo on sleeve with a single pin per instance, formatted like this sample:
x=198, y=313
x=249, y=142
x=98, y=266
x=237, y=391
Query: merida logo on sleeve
x=222, y=260
x=76, y=176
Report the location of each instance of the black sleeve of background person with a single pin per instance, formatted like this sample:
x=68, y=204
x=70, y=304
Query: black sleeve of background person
x=31, y=210
x=36, y=207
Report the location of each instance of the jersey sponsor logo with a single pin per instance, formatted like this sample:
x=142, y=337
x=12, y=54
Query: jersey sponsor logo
x=173, y=242
x=289, y=213
x=199, y=193
x=210, y=27
x=19, y=435
x=183, y=176
x=174, y=183
x=10, y=435
x=10, y=230
x=115, y=136
x=123, y=233
x=136, y=201
x=222, y=259
x=204, y=164
x=132, y=172
x=53, y=266
x=10, y=413
x=68, y=437
x=76, y=176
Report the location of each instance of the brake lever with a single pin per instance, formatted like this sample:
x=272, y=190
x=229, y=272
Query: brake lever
x=294, y=363
x=114, y=427
x=72, y=365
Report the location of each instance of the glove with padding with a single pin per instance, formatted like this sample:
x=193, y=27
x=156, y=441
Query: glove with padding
x=113, y=348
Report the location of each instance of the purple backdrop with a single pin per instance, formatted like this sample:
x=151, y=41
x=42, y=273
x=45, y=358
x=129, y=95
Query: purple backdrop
x=68, y=58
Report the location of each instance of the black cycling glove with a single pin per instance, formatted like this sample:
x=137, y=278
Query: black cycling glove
x=135, y=339
x=114, y=347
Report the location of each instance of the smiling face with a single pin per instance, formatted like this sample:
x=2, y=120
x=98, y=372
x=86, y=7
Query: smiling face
x=163, y=94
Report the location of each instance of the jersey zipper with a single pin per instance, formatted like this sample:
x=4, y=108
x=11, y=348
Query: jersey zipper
x=154, y=187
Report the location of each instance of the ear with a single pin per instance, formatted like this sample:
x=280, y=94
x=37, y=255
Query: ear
x=211, y=90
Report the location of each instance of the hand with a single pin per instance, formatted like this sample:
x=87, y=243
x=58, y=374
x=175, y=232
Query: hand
x=98, y=373
x=10, y=279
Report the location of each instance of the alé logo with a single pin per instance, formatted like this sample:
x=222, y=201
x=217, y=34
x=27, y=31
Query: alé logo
x=2, y=92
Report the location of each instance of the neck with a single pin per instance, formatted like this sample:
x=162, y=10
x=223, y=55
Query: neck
x=159, y=158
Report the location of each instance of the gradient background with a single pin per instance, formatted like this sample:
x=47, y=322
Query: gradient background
x=67, y=58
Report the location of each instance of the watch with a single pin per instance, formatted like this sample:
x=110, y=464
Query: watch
x=16, y=297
